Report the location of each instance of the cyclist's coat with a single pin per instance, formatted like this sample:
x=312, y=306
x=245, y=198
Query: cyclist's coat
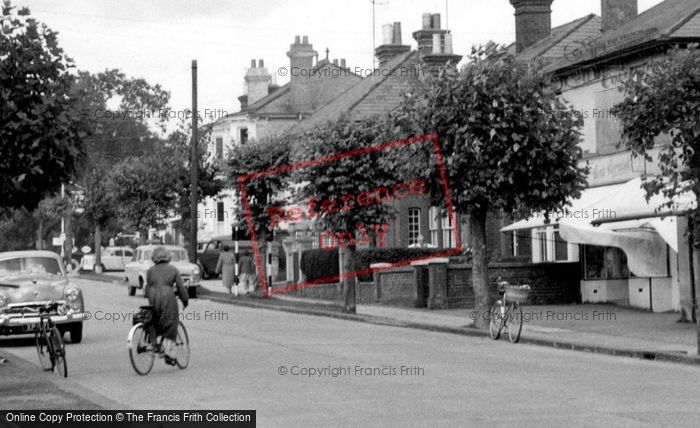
x=159, y=290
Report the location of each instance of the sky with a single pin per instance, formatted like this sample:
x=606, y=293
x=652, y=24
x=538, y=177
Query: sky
x=158, y=39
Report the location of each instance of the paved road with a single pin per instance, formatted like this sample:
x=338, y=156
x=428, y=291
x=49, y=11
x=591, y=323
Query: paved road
x=462, y=381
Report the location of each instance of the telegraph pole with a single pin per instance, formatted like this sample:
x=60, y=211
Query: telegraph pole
x=194, y=163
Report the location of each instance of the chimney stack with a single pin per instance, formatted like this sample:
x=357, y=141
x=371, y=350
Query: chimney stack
x=533, y=22
x=435, y=44
x=392, y=46
x=301, y=57
x=257, y=83
x=616, y=13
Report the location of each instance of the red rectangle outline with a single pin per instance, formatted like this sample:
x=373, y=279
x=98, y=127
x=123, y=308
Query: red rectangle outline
x=284, y=168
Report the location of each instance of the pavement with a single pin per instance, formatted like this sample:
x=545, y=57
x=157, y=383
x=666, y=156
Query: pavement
x=599, y=328
x=299, y=369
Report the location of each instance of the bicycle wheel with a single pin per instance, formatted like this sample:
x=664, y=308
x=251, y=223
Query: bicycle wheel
x=182, y=347
x=515, y=323
x=59, y=352
x=42, y=350
x=496, y=320
x=141, y=350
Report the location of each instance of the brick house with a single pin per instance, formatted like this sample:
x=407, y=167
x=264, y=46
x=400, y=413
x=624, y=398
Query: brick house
x=400, y=68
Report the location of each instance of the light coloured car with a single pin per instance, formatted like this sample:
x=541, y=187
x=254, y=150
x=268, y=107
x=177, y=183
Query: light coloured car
x=30, y=280
x=112, y=258
x=135, y=272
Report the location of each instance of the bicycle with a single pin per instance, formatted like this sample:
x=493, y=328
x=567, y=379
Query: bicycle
x=144, y=345
x=49, y=341
x=507, y=312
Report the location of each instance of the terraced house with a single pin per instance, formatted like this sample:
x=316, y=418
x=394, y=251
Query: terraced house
x=619, y=248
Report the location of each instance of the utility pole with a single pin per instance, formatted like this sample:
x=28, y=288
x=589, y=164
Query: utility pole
x=194, y=163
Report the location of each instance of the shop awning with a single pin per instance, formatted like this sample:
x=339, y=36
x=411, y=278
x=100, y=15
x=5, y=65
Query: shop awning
x=583, y=207
x=644, y=246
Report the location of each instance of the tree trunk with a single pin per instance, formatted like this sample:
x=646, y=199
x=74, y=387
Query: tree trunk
x=349, y=284
x=696, y=293
x=98, y=246
x=480, y=271
x=40, y=236
x=68, y=243
x=143, y=237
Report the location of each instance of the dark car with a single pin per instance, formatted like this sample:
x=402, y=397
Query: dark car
x=209, y=256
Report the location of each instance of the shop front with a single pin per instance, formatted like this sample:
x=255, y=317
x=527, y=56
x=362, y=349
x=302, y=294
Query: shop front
x=632, y=251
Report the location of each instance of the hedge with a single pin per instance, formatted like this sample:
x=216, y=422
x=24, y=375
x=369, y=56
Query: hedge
x=320, y=263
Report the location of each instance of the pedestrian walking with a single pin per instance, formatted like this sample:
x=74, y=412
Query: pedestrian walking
x=226, y=266
x=246, y=268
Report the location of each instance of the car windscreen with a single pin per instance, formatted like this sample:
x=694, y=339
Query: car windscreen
x=178, y=256
x=30, y=265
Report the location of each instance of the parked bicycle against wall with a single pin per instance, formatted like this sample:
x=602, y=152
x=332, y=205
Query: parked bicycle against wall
x=507, y=313
x=49, y=341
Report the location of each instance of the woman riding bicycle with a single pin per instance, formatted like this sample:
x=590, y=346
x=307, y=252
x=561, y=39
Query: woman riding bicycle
x=159, y=291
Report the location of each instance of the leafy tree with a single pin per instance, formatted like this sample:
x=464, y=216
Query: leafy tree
x=663, y=99
x=143, y=191
x=125, y=115
x=348, y=175
x=264, y=192
x=509, y=145
x=178, y=151
x=99, y=207
x=47, y=216
x=41, y=127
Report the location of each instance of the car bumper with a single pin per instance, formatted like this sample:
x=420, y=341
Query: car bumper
x=19, y=324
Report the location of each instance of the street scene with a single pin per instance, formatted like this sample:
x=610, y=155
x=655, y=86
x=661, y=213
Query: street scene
x=386, y=213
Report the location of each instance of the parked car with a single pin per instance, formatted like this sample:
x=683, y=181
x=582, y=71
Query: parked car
x=208, y=258
x=135, y=271
x=112, y=258
x=30, y=279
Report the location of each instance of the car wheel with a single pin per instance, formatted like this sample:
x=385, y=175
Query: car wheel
x=192, y=292
x=129, y=288
x=203, y=271
x=76, y=332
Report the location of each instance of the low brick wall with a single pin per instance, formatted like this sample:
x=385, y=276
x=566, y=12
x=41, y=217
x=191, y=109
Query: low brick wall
x=551, y=283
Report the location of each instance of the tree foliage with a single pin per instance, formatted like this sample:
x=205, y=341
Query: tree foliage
x=41, y=127
x=348, y=175
x=509, y=144
x=271, y=190
x=663, y=99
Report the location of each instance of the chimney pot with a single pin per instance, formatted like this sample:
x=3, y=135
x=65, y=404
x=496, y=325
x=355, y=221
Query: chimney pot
x=396, y=39
x=387, y=34
x=448, y=43
x=306, y=40
x=342, y=62
x=261, y=63
x=297, y=40
x=435, y=21
x=335, y=61
x=427, y=21
x=437, y=49
x=252, y=63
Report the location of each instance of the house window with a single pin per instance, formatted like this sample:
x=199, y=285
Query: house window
x=433, y=216
x=604, y=263
x=521, y=243
x=561, y=252
x=243, y=136
x=413, y=225
x=219, y=147
x=541, y=243
x=448, y=236
x=220, y=213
